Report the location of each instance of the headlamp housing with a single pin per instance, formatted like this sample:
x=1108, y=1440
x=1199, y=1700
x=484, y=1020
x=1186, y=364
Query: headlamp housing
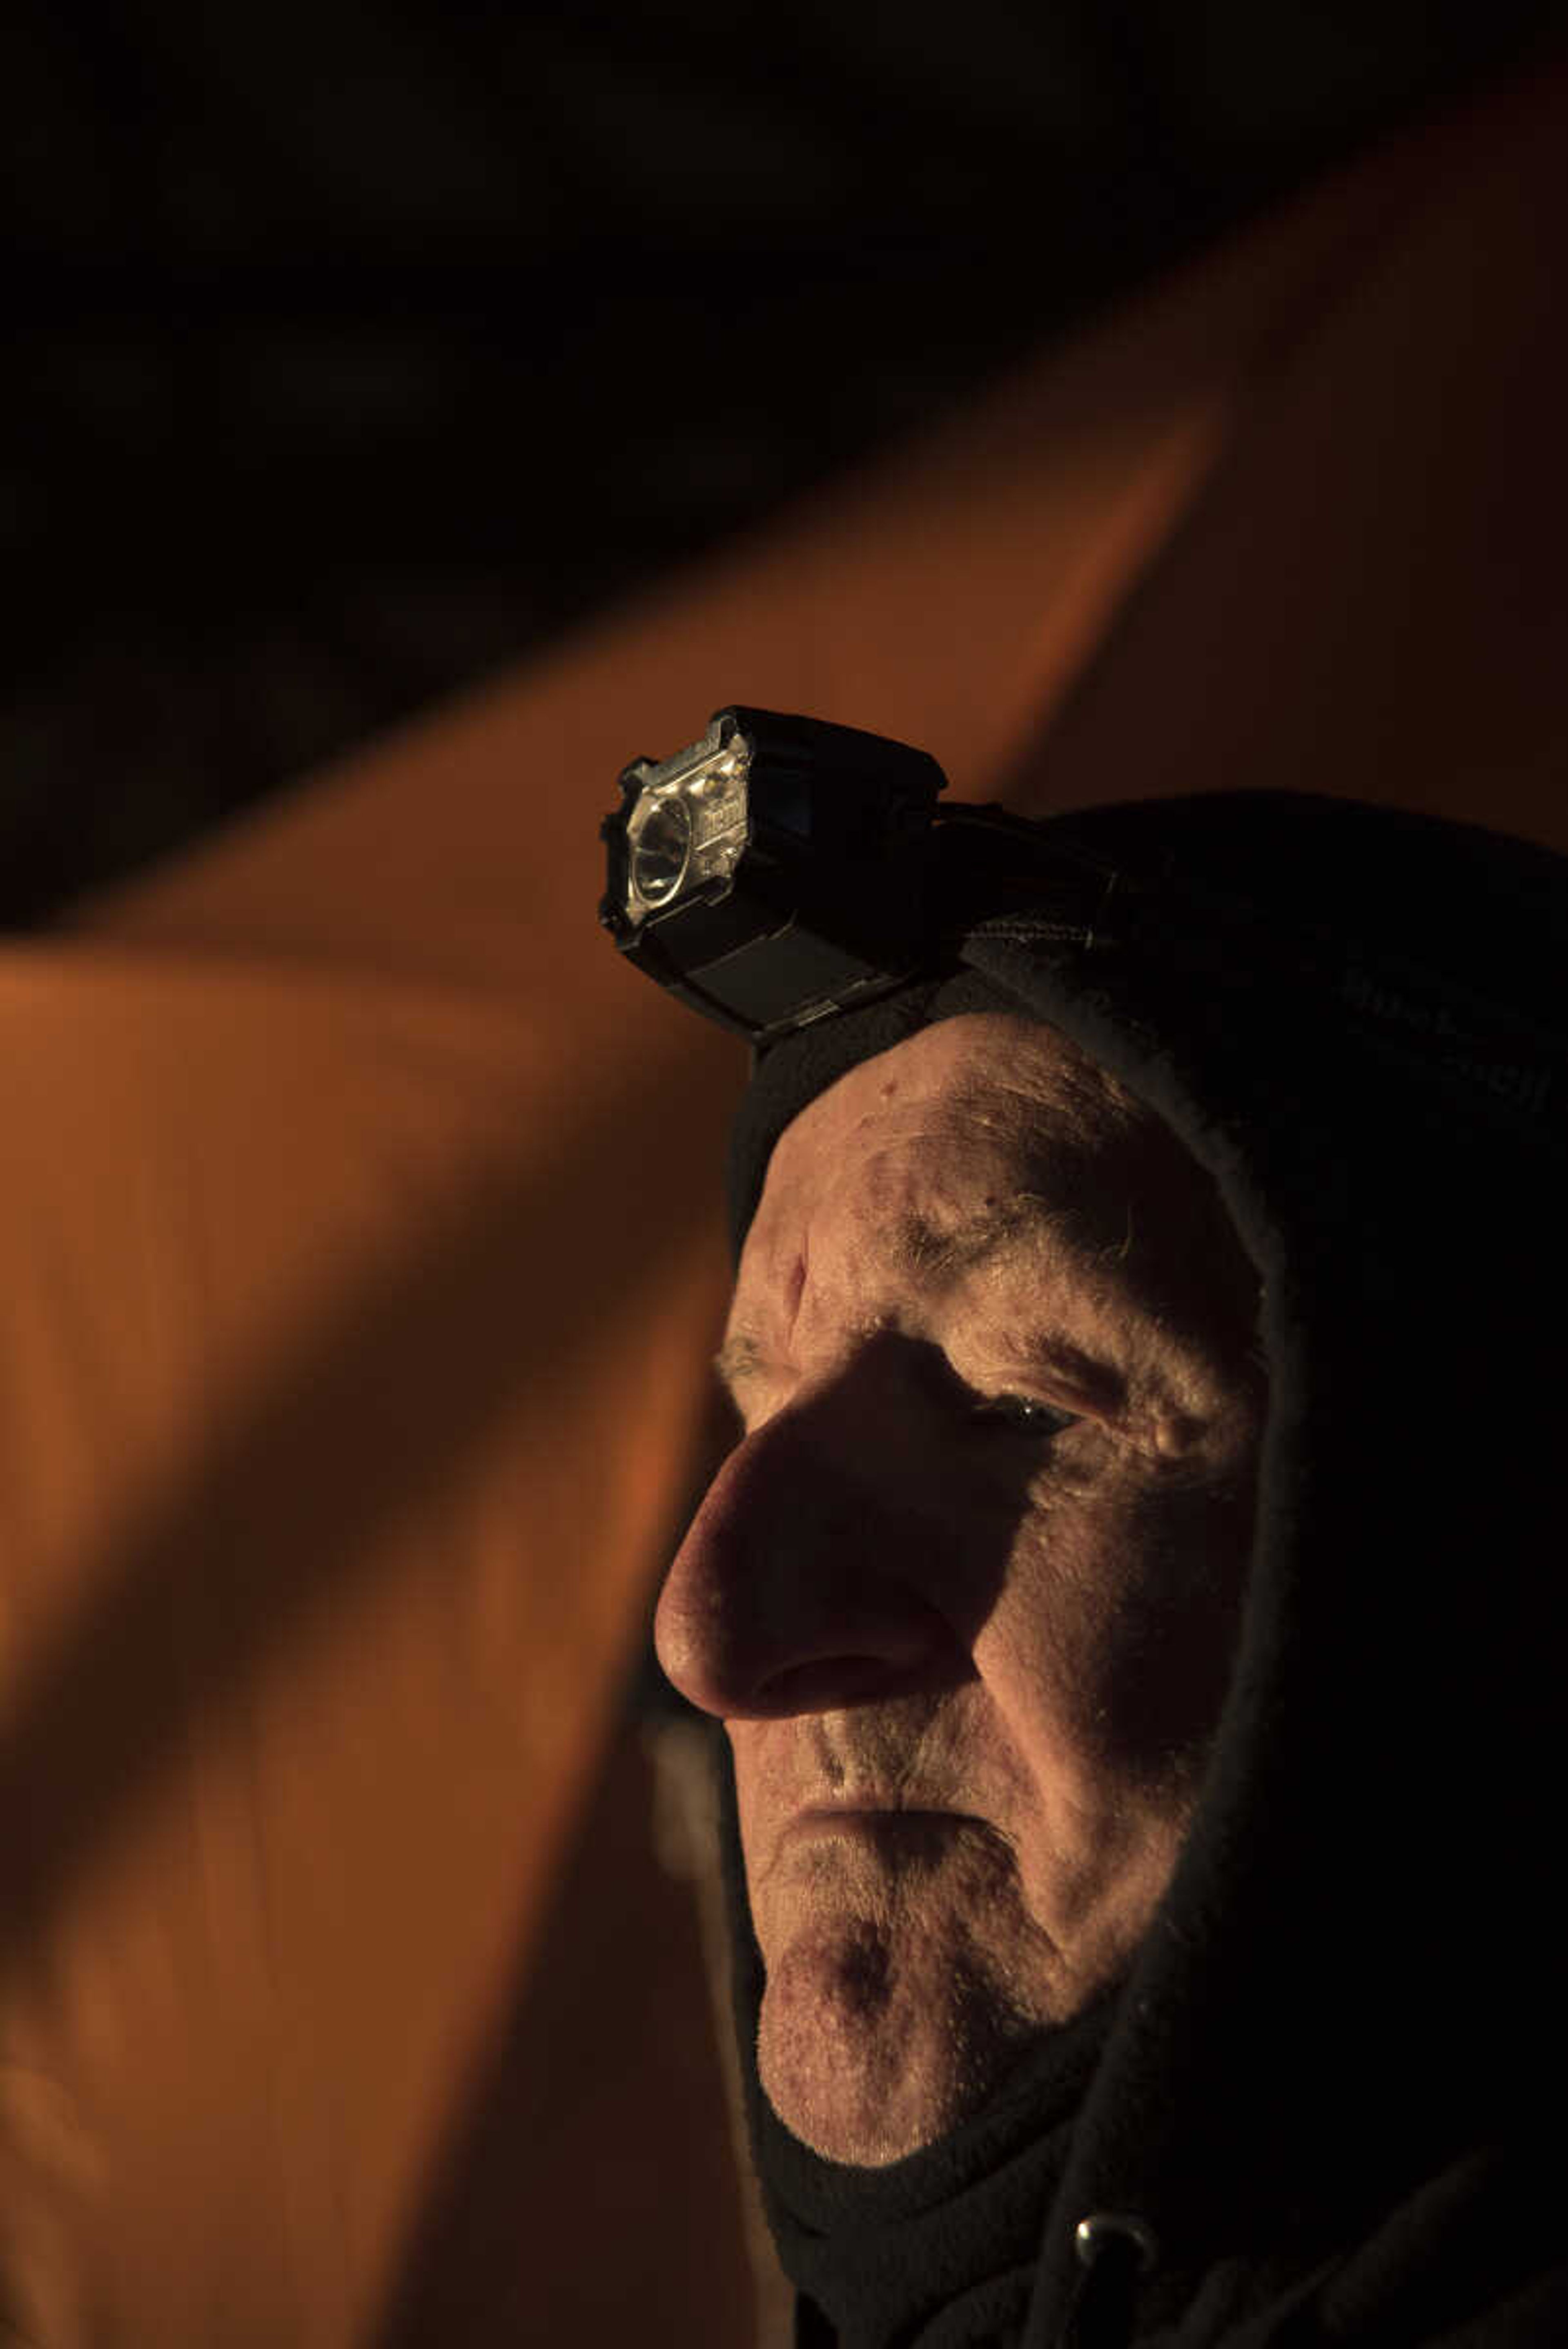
x=774, y=871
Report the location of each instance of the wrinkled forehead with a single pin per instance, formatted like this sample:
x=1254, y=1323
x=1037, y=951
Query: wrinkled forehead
x=950, y=1122
x=940, y=1139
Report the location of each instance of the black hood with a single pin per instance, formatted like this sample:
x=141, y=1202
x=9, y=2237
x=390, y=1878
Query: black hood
x=1353, y=1018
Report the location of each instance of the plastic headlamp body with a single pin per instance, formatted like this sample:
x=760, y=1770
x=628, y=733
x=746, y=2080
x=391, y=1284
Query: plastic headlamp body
x=776, y=871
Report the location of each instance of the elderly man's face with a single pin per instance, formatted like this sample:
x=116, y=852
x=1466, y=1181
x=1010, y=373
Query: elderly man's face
x=965, y=1595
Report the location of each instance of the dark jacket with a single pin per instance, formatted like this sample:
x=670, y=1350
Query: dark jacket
x=1322, y=2108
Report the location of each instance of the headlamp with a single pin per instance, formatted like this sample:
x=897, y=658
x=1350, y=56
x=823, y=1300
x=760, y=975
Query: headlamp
x=774, y=871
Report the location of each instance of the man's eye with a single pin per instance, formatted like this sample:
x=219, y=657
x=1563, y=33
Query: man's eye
x=1022, y=1415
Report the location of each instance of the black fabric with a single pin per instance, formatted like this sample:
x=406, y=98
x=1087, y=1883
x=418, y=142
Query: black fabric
x=1332, y=2084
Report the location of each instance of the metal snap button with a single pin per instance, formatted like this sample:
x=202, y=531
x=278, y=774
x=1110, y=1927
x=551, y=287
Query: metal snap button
x=1094, y=2236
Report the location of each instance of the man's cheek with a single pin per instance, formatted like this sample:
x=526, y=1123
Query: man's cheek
x=1123, y=1617
x=958, y=1541
x=1068, y=1655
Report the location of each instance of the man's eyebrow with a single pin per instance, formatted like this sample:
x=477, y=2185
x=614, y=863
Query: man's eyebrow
x=920, y=1244
x=923, y=1246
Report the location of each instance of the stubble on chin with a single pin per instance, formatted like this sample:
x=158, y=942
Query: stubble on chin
x=897, y=1999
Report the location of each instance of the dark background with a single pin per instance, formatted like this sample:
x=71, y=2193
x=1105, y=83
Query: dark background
x=357, y=350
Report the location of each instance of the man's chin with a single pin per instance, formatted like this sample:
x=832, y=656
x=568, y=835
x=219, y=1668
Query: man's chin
x=869, y=2054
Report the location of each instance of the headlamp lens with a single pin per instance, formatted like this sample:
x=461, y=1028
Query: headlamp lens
x=687, y=826
x=660, y=849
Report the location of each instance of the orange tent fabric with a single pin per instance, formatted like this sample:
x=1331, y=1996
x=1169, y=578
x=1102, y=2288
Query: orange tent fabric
x=363, y=1252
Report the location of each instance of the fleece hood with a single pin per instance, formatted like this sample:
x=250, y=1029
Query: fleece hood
x=1343, y=2031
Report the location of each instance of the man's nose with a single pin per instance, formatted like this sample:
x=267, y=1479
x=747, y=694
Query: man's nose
x=798, y=1587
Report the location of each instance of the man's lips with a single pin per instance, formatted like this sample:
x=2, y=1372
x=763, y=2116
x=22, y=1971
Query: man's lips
x=872, y=1799
x=843, y=1810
